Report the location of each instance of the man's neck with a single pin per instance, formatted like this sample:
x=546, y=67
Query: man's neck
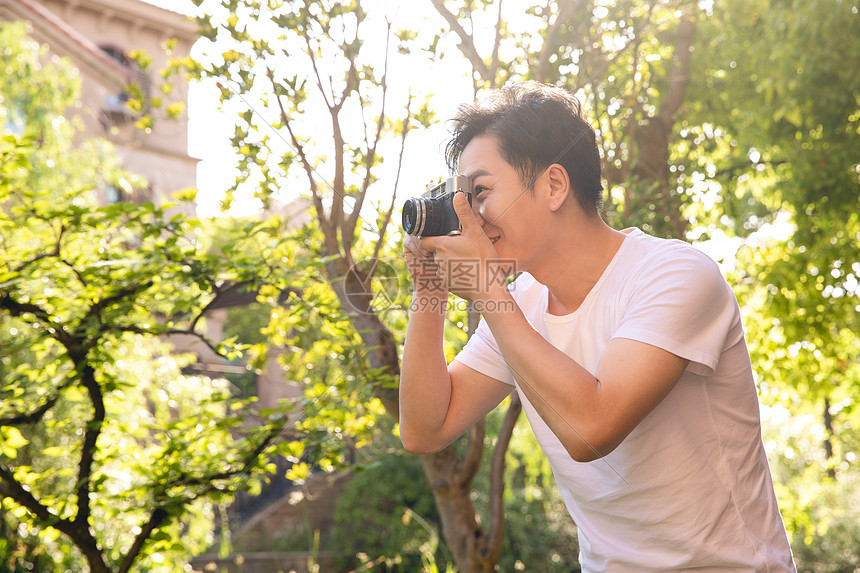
x=579, y=259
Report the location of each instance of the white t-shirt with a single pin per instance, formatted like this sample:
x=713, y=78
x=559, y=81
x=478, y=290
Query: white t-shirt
x=690, y=486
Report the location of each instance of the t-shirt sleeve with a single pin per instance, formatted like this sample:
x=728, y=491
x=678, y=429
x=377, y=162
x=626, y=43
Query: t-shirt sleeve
x=683, y=305
x=481, y=353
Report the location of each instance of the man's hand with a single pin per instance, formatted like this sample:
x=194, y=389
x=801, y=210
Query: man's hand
x=423, y=268
x=468, y=264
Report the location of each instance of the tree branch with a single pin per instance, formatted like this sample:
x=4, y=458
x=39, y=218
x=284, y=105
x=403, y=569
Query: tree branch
x=679, y=75
x=385, y=222
x=55, y=252
x=606, y=62
x=467, y=43
x=156, y=519
x=75, y=271
x=18, y=309
x=161, y=514
x=37, y=414
x=91, y=435
x=339, y=186
x=565, y=9
x=330, y=238
x=329, y=104
x=467, y=468
x=79, y=533
x=497, y=40
x=331, y=223
x=219, y=294
x=348, y=232
x=169, y=332
x=23, y=497
x=96, y=309
x=496, y=525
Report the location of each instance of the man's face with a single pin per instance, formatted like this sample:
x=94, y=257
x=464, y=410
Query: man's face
x=504, y=208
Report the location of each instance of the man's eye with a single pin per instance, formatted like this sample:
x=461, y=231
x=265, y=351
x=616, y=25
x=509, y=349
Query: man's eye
x=479, y=189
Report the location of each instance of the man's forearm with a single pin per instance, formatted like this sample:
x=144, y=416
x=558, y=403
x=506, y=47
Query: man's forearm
x=559, y=388
x=425, y=385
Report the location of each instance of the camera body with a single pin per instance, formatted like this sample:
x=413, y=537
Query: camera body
x=432, y=214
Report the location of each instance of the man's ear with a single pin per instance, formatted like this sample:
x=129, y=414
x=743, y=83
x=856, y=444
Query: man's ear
x=559, y=186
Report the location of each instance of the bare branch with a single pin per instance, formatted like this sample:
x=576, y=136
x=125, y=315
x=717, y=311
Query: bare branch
x=339, y=186
x=348, y=232
x=467, y=43
x=387, y=219
x=497, y=479
x=467, y=468
x=332, y=244
x=325, y=95
x=497, y=40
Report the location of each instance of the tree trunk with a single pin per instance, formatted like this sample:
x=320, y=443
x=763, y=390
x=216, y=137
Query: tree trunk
x=352, y=287
x=651, y=143
x=476, y=548
x=465, y=536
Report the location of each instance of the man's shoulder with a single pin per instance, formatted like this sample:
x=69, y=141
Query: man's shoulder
x=672, y=268
x=650, y=252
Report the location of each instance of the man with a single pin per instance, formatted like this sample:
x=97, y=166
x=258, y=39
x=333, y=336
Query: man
x=627, y=350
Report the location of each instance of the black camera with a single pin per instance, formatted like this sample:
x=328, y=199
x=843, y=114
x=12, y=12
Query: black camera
x=432, y=214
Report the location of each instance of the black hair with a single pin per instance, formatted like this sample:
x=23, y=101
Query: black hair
x=535, y=125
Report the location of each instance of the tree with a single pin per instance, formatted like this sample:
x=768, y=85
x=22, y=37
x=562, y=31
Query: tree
x=281, y=146
x=108, y=452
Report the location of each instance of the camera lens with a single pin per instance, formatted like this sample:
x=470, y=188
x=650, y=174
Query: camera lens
x=422, y=217
x=410, y=216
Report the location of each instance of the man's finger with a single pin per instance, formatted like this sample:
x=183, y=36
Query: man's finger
x=464, y=210
x=411, y=244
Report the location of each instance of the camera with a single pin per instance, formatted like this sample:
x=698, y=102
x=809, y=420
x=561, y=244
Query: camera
x=432, y=214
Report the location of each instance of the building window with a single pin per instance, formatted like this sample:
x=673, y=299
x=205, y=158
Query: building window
x=115, y=194
x=115, y=110
x=117, y=55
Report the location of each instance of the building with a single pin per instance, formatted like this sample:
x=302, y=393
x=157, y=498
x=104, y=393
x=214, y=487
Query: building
x=100, y=37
